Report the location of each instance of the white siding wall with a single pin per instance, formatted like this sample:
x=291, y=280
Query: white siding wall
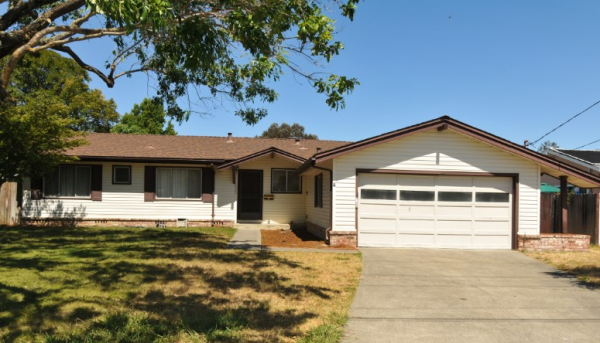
x=127, y=201
x=433, y=150
x=285, y=207
x=318, y=215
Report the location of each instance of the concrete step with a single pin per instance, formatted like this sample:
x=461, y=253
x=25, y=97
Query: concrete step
x=259, y=226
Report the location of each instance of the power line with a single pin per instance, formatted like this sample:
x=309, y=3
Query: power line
x=596, y=141
x=561, y=125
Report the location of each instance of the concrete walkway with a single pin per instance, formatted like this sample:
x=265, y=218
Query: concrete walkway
x=423, y=295
x=248, y=239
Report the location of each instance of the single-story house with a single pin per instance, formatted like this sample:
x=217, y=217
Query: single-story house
x=441, y=183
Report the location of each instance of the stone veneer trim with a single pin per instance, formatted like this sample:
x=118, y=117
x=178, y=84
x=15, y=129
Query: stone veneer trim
x=554, y=242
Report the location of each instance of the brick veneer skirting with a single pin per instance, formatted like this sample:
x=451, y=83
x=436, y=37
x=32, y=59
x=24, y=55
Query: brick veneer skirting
x=121, y=222
x=554, y=242
x=343, y=238
x=316, y=230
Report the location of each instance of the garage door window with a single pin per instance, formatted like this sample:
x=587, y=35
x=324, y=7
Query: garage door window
x=417, y=195
x=491, y=197
x=455, y=196
x=378, y=194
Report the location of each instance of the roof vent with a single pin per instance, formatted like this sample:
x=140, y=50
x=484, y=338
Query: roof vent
x=229, y=137
x=297, y=141
x=318, y=150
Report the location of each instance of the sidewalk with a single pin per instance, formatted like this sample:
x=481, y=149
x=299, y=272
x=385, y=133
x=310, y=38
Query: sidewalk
x=248, y=239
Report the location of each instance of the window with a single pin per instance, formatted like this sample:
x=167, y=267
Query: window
x=455, y=196
x=491, y=197
x=178, y=183
x=285, y=181
x=378, y=194
x=417, y=195
x=319, y=190
x=121, y=175
x=69, y=181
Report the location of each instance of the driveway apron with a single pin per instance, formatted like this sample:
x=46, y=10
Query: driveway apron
x=433, y=295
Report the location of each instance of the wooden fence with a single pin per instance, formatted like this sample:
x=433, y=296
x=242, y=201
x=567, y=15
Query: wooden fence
x=8, y=204
x=583, y=214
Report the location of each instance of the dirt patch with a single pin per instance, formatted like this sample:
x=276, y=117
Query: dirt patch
x=298, y=238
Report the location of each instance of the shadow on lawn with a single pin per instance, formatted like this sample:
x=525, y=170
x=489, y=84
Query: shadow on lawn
x=114, y=260
x=579, y=275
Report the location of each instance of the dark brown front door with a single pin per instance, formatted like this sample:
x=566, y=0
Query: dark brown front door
x=250, y=193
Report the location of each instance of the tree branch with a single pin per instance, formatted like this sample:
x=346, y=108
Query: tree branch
x=109, y=81
x=17, y=11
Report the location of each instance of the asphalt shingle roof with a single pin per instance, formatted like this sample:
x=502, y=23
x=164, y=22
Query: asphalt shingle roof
x=106, y=145
x=592, y=156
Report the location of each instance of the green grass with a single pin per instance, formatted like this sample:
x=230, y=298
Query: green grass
x=166, y=285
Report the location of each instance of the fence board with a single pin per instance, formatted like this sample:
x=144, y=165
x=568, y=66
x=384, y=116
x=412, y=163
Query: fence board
x=8, y=203
x=583, y=214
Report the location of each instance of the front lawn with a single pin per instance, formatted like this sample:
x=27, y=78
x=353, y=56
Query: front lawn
x=166, y=285
x=584, y=265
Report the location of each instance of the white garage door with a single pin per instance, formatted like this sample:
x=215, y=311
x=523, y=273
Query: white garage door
x=434, y=211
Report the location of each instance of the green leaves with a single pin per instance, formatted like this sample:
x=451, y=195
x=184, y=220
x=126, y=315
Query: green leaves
x=335, y=87
x=147, y=118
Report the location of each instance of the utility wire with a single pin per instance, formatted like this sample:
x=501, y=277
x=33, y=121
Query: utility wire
x=561, y=125
x=596, y=141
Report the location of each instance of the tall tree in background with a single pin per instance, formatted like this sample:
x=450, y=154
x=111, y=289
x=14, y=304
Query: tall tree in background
x=51, y=103
x=146, y=118
x=547, y=145
x=287, y=131
x=48, y=74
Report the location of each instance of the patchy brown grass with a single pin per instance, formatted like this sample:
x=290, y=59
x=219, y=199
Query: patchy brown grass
x=165, y=285
x=584, y=265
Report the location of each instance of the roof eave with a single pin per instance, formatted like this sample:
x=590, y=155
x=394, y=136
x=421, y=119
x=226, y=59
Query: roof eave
x=271, y=150
x=446, y=122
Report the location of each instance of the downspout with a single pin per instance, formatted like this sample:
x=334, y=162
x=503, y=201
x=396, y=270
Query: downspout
x=212, y=221
x=330, y=198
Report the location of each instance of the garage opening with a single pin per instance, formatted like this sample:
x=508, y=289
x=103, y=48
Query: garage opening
x=434, y=211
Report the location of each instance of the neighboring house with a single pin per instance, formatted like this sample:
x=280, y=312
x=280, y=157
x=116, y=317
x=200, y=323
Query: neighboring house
x=588, y=160
x=441, y=183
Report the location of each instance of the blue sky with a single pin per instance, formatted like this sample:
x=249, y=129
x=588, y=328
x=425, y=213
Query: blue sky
x=514, y=68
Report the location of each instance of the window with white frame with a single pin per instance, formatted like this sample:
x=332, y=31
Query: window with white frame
x=178, y=183
x=69, y=181
x=285, y=181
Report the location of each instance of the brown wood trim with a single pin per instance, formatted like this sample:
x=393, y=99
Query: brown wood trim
x=433, y=173
x=327, y=155
x=515, y=213
x=524, y=152
x=597, y=218
x=148, y=160
x=515, y=200
x=466, y=130
x=265, y=152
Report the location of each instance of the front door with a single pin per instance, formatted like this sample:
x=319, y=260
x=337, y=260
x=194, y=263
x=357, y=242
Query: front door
x=250, y=193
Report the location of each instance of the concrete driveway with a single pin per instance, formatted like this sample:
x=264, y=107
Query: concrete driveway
x=426, y=295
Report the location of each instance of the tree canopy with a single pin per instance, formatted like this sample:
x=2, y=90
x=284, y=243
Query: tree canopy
x=287, y=131
x=204, y=49
x=146, y=118
x=50, y=105
x=49, y=75
x=547, y=145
